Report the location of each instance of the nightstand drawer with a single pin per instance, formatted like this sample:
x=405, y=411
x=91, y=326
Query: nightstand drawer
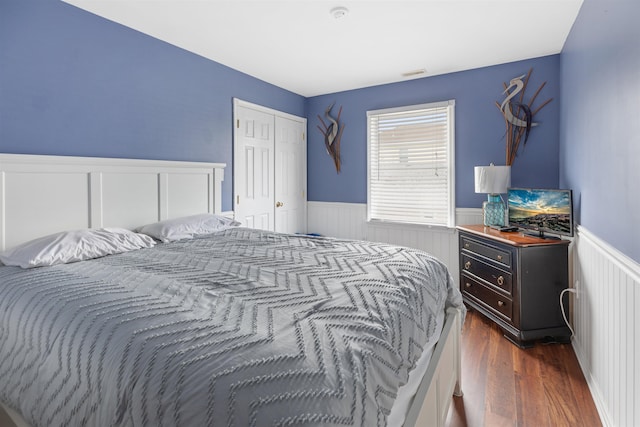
x=493, y=275
x=490, y=252
x=494, y=301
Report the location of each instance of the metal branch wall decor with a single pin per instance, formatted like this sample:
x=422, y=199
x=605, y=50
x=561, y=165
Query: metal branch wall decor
x=518, y=115
x=332, y=134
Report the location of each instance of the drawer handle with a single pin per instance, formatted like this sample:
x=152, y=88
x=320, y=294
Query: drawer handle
x=500, y=304
x=500, y=280
x=467, y=265
x=467, y=284
x=499, y=257
x=466, y=245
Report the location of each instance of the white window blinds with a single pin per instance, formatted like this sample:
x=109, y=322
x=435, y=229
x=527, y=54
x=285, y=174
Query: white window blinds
x=411, y=158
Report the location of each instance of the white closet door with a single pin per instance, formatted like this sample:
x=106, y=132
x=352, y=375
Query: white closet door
x=290, y=176
x=254, y=168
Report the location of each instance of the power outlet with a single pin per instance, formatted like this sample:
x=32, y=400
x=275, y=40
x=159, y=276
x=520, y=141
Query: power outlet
x=576, y=287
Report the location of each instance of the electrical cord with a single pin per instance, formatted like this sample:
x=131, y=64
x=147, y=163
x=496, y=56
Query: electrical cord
x=564, y=316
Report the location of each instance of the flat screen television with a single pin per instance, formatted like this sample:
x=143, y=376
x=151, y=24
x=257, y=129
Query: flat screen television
x=541, y=210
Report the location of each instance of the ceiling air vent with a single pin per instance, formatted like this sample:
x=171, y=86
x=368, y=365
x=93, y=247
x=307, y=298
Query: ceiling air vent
x=415, y=73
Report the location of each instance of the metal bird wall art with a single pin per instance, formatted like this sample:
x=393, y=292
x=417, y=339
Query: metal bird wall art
x=518, y=116
x=332, y=134
x=517, y=84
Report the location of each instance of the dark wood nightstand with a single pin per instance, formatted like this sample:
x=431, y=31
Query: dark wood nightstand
x=515, y=280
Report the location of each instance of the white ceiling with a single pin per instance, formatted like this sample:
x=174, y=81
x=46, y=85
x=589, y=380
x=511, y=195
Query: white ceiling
x=298, y=45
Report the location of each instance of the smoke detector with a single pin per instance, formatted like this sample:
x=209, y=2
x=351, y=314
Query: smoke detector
x=339, y=12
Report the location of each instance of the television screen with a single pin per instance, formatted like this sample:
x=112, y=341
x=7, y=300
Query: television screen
x=541, y=210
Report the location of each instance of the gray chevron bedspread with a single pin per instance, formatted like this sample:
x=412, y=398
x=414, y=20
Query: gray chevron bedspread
x=239, y=328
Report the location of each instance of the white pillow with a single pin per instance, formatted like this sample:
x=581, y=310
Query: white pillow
x=187, y=227
x=71, y=246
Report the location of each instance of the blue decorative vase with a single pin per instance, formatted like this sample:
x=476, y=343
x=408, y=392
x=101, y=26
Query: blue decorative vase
x=493, y=210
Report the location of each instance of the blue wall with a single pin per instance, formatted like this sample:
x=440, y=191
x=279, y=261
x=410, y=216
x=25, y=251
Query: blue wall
x=72, y=83
x=479, y=129
x=600, y=129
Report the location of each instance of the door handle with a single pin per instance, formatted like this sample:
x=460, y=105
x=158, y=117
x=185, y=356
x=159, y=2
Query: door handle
x=279, y=204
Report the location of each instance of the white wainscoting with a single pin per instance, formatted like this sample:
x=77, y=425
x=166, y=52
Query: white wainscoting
x=607, y=325
x=342, y=220
x=349, y=221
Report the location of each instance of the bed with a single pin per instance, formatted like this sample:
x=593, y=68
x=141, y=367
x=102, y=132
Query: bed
x=234, y=327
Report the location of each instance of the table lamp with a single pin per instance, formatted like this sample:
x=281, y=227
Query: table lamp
x=494, y=181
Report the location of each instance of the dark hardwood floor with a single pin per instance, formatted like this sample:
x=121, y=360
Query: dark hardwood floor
x=504, y=385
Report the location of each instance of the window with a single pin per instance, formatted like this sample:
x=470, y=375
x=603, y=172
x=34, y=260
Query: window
x=411, y=162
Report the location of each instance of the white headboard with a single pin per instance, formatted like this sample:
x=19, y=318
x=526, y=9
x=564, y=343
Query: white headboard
x=41, y=195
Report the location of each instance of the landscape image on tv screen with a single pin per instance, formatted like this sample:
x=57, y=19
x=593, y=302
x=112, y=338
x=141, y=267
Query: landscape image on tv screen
x=544, y=210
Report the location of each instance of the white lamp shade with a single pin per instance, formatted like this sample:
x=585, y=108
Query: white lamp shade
x=492, y=179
